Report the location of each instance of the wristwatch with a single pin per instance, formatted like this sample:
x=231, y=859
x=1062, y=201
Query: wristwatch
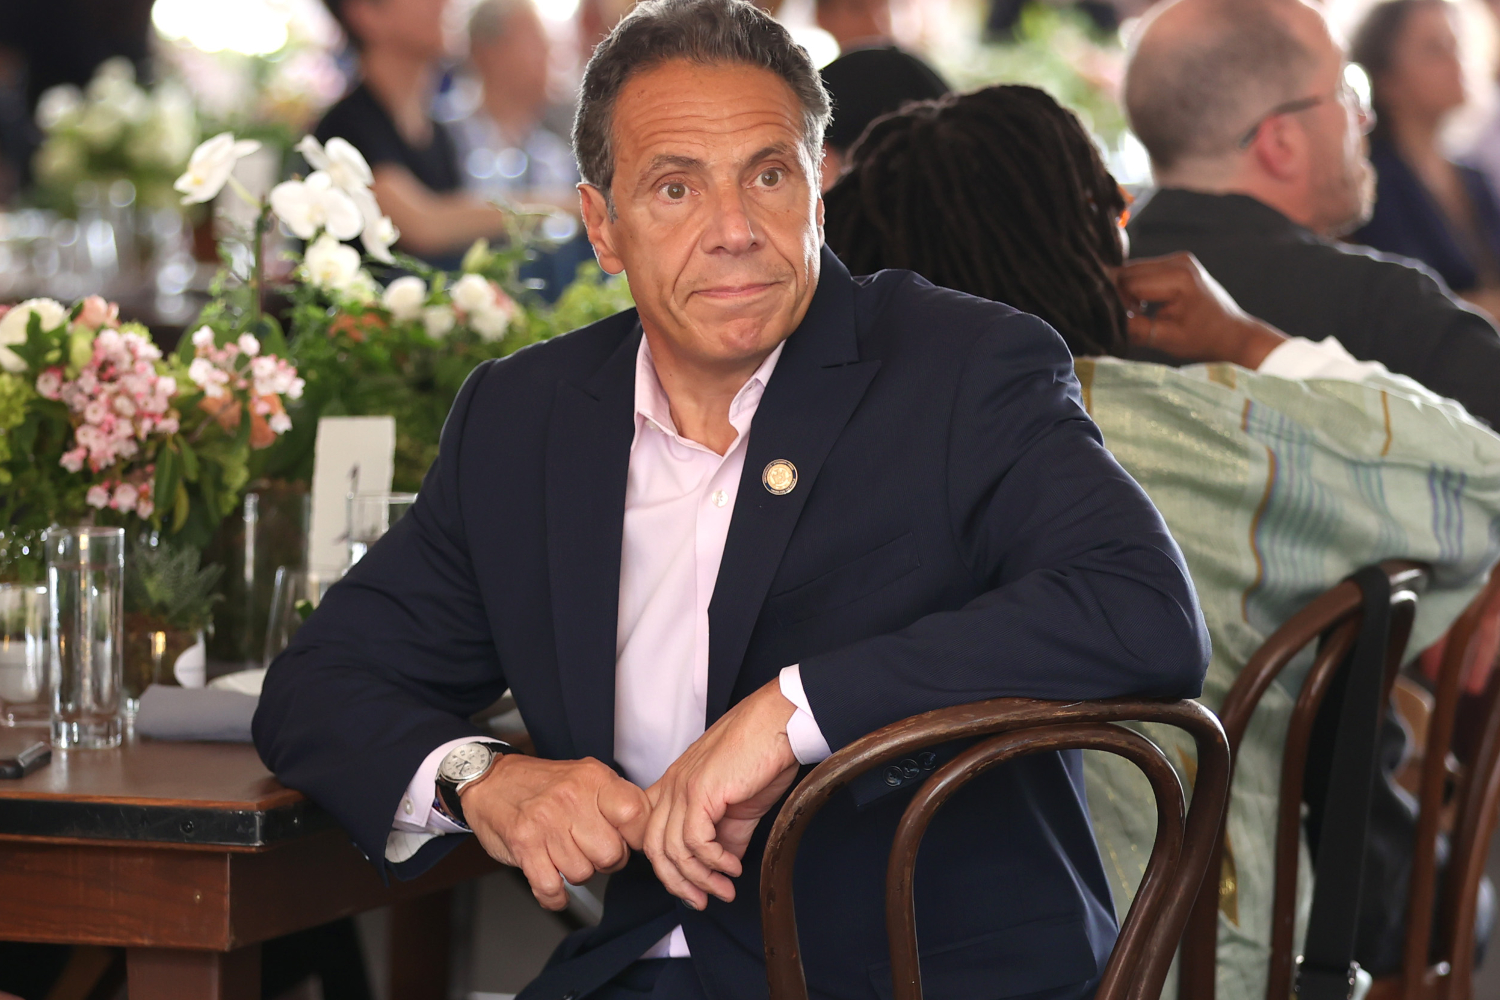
x=464, y=765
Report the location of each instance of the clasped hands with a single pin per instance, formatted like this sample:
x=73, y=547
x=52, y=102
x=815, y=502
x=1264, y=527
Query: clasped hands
x=573, y=818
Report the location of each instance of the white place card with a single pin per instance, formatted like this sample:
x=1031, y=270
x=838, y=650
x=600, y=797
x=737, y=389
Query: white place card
x=353, y=455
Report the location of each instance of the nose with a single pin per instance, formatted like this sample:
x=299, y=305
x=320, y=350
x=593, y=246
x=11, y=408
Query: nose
x=733, y=231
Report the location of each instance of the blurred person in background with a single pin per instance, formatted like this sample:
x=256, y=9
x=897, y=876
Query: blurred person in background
x=513, y=146
x=1257, y=144
x=1426, y=207
x=865, y=84
x=387, y=117
x=855, y=24
x=1001, y=193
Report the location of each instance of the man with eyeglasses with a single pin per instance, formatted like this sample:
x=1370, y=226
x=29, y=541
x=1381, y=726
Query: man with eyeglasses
x=1256, y=129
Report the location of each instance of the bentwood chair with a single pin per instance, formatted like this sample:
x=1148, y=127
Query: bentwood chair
x=1015, y=727
x=1331, y=621
x=1460, y=778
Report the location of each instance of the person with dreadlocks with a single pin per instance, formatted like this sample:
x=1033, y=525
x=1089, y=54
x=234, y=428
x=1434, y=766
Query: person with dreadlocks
x=1276, y=489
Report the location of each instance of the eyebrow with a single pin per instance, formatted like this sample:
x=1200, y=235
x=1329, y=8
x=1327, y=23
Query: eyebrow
x=680, y=162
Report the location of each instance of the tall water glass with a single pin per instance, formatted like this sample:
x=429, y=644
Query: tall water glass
x=371, y=516
x=85, y=574
x=24, y=697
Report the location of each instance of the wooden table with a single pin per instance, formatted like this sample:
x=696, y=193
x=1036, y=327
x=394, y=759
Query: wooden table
x=189, y=855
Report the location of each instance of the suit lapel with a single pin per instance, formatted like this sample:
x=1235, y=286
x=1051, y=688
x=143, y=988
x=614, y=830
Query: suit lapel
x=818, y=382
x=587, y=466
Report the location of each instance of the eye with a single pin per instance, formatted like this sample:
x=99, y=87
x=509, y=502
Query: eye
x=674, y=190
x=771, y=176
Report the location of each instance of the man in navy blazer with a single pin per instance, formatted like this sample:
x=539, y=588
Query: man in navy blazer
x=922, y=515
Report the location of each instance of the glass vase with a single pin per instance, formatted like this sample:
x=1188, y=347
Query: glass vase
x=86, y=598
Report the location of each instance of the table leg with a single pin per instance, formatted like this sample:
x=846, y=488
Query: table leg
x=167, y=974
x=420, y=936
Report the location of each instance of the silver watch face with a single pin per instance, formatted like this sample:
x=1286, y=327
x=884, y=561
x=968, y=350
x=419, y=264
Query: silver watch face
x=465, y=762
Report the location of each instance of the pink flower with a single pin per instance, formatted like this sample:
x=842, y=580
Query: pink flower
x=167, y=426
x=73, y=460
x=144, y=509
x=124, y=407
x=97, y=496
x=280, y=423
x=49, y=384
x=96, y=313
x=125, y=497
x=94, y=411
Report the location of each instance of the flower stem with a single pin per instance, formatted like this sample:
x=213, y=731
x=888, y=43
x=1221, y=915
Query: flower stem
x=258, y=271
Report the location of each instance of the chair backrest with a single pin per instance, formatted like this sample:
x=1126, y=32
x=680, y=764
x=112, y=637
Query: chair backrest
x=1332, y=617
x=1444, y=967
x=1148, y=939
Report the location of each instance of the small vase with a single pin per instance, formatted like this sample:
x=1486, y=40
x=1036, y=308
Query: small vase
x=158, y=655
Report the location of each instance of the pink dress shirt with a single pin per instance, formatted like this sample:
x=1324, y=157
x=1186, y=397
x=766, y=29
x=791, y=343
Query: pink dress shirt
x=679, y=498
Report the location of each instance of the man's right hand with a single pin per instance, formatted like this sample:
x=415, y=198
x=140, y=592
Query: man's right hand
x=556, y=819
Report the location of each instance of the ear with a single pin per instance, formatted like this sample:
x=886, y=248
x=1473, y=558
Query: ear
x=596, y=219
x=821, y=238
x=1280, y=148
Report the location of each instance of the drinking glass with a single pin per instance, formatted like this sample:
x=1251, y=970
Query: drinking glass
x=24, y=699
x=295, y=594
x=371, y=516
x=85, y=574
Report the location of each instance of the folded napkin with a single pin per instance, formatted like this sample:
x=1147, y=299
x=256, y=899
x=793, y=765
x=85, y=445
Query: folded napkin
x=243, y=681
x=174, y=713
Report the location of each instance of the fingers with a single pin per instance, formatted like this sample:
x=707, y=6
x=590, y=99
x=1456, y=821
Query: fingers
x=655, y=846
x=627, y=808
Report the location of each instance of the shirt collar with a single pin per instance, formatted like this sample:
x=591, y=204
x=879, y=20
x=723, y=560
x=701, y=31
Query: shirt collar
x=652, y=405
x=1180, y=208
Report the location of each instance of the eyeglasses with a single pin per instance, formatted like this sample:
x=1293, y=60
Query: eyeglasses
x=1353, y=94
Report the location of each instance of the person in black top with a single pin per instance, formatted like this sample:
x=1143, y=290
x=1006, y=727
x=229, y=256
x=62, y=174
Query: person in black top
x=417, y=179
x=865, y=84
x=1257, y=144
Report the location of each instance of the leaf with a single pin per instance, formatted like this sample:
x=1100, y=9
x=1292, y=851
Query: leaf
x=189, y=460
x=180, y=508
x=166, y=476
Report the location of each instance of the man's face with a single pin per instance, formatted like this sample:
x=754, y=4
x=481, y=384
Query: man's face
x=718, y=219
x=1340, y=176
x=516, y=62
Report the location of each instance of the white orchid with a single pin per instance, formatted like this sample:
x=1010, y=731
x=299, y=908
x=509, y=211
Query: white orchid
x=438, y=320
x=378, y=237
x=315, y=203
x=13, y=324
x=472, y=293
x=405, y=297
x=340, y=160
x=211, y=164
x=332, y=265
x=58, y=105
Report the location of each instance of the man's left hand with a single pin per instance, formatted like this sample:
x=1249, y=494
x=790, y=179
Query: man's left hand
x=705, y=808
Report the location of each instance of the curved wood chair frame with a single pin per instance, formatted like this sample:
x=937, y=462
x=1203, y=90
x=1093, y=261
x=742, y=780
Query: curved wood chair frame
x=1440, y=966
x=1148, y=939
x=1334, y=618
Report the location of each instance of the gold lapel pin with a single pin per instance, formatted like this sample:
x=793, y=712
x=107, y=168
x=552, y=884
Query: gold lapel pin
x=780, y=477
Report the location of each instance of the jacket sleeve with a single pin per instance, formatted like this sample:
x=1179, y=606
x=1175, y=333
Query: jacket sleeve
x=1414, y=324
x=1086, y=595
x=391, y=665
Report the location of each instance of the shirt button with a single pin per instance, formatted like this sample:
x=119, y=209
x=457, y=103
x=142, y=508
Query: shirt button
x=406, y=806
x=720, y=498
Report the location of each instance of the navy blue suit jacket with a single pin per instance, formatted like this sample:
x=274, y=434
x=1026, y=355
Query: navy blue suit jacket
x=957, y=532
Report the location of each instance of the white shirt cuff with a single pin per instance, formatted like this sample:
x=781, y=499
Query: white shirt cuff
x=416, y=822
x=802, y=732
x=1300, y=358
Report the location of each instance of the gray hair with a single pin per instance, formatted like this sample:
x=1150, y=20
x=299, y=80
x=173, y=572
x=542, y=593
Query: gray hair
x=702, y=31
x=1192, y=99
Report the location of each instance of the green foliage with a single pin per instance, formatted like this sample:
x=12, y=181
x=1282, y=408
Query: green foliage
x=165, y=584
x=1059, y=51
x=15, y=394
x=359, y=360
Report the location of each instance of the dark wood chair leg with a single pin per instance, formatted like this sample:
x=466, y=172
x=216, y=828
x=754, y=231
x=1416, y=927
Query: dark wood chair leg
x=420, y=935
x=167, y=974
